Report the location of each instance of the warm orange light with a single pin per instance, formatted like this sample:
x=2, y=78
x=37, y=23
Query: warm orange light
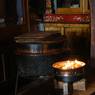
x=68, y=64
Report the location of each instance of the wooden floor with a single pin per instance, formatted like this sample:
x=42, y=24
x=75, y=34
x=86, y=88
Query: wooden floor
x=90, y=90
x=90, y=86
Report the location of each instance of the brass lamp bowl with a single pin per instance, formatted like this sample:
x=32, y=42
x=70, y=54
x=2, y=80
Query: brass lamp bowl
x=69, y=70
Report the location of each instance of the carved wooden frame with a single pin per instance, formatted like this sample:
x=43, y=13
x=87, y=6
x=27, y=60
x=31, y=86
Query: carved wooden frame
x=83, y=9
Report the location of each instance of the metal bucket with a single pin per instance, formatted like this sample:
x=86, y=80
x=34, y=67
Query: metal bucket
x=36, y=52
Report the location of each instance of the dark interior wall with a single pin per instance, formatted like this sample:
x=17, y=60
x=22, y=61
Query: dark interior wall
x=11, y=13
x=11, y=7
x=2, y=8
x=7, y=7
x=37, y=6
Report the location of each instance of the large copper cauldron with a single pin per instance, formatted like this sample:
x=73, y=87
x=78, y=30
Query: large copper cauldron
x=36, y=52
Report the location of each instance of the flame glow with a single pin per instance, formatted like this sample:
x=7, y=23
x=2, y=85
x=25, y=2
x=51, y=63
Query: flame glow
x=69, y=64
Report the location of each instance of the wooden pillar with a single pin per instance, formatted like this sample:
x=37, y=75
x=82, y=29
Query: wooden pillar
x=26, y=14
x=92, y=6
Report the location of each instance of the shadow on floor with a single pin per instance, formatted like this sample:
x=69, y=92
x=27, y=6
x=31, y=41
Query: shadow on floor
x=92, y=93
